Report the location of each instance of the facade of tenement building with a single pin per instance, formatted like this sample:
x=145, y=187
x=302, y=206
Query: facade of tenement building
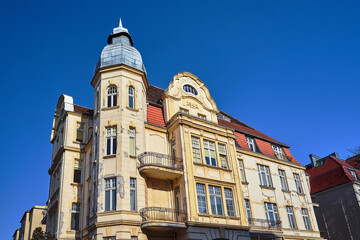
x=31, y=220
x=148, y=163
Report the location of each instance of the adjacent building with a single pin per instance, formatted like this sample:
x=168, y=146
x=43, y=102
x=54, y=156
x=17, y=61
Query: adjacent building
x=149, y=163
x=335, y=187
x=31, y=220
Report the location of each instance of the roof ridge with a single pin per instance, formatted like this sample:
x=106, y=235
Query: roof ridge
x=82, y=106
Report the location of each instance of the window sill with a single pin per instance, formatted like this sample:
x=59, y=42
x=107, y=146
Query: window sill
x=109, y=156
x=245, y=183
x=132, y=109
x=286, y=191
x=301, y=194
x=211, y=166
x=217, y=216
x=78, y=142
x=76, y=184
x=110, y=108
x=266, y=187
x=132, y=156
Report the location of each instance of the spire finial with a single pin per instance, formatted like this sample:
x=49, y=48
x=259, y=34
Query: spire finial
x=120, y=24
x=120, y=28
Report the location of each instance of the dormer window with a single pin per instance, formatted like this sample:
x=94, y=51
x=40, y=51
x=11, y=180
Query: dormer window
x=190, y=89
x=353, y=173
x=279, y=152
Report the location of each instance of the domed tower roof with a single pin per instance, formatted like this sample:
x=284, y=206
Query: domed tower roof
x=120, y=50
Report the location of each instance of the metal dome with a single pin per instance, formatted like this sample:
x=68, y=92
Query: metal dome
x=120, y=51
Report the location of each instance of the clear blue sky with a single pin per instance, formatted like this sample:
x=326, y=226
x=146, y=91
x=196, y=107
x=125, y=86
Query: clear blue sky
x=288, y=68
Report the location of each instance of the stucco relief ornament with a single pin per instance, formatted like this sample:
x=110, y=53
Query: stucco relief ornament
x=192, y=105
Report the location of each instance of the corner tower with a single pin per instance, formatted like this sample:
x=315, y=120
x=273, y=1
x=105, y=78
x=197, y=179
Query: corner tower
x=116, y=190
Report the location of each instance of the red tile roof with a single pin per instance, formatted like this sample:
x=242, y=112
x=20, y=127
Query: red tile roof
x=155, y=115
x=83, y=110
x=332, y=173
x=354, y=161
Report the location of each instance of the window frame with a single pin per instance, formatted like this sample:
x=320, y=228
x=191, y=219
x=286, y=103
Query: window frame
x=291, y=217
x=183, y=110
x=248, y=211
x=354, y=174
x=242, y=170
x=132, y=137
x=274, y=211
x=283, y=180
x=112, y=136
x=279, y=152
x=131, y=97
x=265, y=173
x=217, y=205
x=306, y=219
x=111, y=96
x=223, y=156
x=298, y=183
x=111, y=188
x=77, y=167
x=208, y=149
x=203, y=197
x=190, y=89
x=229, y=202
x=80, y=127
x=202, y=116
x=133, y=189
x=251, y=143
x=75, y=217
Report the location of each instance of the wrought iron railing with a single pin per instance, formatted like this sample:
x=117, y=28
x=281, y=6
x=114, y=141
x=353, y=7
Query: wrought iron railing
x=160, y=160
x=264, y=223
x=162, y=214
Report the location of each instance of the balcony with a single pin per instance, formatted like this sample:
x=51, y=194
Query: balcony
x=160, y=166
x=159, y=218
x=264, y=223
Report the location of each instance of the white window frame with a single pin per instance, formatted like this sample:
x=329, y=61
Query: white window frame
x=209, y=146
x=291, y=217
x=188, y=88
x=111, y=134
x=75, y=209
x=307, y=223
x=202, y=116
x=283, y=180
x=297, y=180
x=271, y=212
x=242, y=170
x=132, y=137
x=133, y=201
x=354, y=174
x=110, y=185
x=201, y=198
x=248, y=210
x=265, y=176
x=251, y=143
x=183, y=110
x=279, y=152
x=216, y=195
x=77, y=167
x=131, y=97
x=223, y=156
x=111, y=96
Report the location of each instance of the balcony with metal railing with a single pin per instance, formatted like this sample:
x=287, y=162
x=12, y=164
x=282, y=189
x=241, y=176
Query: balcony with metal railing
x=160, y=166
x=264, y=223
x=155, y=217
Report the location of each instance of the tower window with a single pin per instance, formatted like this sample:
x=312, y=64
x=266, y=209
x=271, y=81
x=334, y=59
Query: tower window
x=132, y=134
x=131, y=97
x=111, y=141
x=80, y=129
x=75, y=216
x=110, y=194
x=111, y=96
x=190, y=89
x=77, y=171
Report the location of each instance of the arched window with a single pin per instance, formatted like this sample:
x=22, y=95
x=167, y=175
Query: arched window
x=190, y=89
x=131, y=97
x=111, y=96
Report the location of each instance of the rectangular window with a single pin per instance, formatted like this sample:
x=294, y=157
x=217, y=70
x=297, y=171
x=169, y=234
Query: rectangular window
x=210, y=153
x=80, y=129
x=110, y=194
x=216, y=200
x=109, y=238
x=242, y=171
x=182, y=110
x=132, y=134
x=196, y=152
x=133, y=194
x=290, y=213
x=271, y=213
x=77, y=171
x=279, y=152
x=306, y=218
x=134, y=238
x=111, y=143
x=75, y=216
x=298, y=183
x=201, y=198
x=251, y=143
x=229, y=202
x=131, y=97
x=173, y=149
x=264, y=175
x=284, y=183
x=222, y=154
x=248, y=211
x=201, y=116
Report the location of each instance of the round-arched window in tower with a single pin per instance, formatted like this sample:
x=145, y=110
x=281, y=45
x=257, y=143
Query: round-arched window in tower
x=190, y=89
